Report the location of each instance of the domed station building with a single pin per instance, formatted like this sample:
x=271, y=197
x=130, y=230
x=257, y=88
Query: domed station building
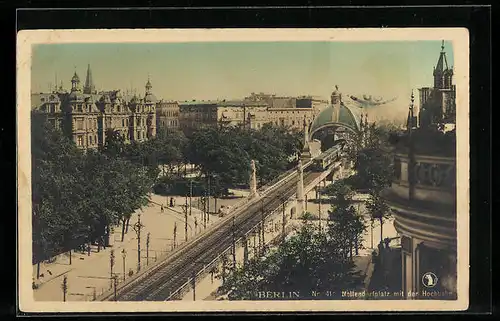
x=341, y=119
x=423, y=192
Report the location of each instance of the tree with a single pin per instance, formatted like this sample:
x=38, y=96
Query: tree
x=308, y=261
x=346, y=226
x=378, y=209
x=218, y=155
x=374, y=162
x=340, y=193
x=56, y=219
x=77, y=197
x=114, y=145
x=169, y=146
x=374, y=168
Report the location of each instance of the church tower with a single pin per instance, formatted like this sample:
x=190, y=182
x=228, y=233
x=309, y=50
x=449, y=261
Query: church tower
x=443, y=75
x=89, y=87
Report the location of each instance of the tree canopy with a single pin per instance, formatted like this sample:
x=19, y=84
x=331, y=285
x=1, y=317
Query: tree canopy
x=76, y=195
x=306, y=262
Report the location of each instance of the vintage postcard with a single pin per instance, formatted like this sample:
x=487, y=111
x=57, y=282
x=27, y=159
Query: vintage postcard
x=243, y=170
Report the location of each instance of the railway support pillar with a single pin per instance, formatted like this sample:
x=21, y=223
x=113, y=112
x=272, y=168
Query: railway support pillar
x=300, y=190
x=253, y=180
x=305, y=154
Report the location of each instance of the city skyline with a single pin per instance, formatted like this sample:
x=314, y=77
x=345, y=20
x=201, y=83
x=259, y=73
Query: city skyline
x=211, y=71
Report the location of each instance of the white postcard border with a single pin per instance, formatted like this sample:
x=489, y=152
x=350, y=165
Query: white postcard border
x=27, y=38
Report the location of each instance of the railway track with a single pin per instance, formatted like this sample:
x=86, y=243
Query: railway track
x=174, y=272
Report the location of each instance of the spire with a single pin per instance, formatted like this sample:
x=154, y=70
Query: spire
x=89, y=87
x=442, y=63
x=409, y=123
x=148, y=86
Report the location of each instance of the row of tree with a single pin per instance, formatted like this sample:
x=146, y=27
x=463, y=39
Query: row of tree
x=78, y=197
x=223, y=153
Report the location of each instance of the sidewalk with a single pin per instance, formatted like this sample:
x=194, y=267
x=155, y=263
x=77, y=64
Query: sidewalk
x=91, y=273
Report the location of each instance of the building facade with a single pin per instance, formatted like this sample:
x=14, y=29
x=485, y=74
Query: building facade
x=167, y=114
x=252, y=114
x=291, y=117
x=194, y=114
x=85, y=116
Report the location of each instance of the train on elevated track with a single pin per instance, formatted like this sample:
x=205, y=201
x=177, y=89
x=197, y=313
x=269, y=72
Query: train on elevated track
x=328, y=157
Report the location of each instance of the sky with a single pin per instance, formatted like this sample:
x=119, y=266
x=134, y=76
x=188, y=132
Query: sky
x=232, y=70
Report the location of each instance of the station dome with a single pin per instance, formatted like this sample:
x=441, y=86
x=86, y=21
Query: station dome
x=347, y=118
x=349, y=114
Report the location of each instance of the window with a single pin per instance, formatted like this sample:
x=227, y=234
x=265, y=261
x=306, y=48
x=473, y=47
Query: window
x=80, y=141
x=90, y=140
x=79, y=124
x=123, y=122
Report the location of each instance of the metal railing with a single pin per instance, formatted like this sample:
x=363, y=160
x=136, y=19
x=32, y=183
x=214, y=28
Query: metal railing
x=274, y=212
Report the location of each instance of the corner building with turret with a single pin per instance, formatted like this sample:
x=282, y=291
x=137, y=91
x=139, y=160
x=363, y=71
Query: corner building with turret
x=86, y=116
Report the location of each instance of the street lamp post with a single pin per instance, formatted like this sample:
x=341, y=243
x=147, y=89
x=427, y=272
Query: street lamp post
x=124, y=256
x=147, y=248
x=65, y=287
x=190, y=196
x=175, y=234
x=115, y=283
x=234, y=244
x=111, y=264
x=137, y=228
x=185, y=223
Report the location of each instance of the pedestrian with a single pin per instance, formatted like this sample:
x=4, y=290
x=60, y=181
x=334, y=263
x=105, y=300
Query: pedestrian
x=162, y=208
x=171, y=202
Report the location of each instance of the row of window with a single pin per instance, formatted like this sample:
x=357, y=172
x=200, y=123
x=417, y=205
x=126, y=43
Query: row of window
x=169, y=123
x=91, y=140
x=171, y=113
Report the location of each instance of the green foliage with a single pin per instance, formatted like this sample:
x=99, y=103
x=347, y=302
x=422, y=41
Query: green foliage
x=374, y=162
x=77, y=195
x=346, y=227
x=224, y=153
x=340, y=193
x=430, y=140
x=374, y=168
x=377, y=206
x=306, y=262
